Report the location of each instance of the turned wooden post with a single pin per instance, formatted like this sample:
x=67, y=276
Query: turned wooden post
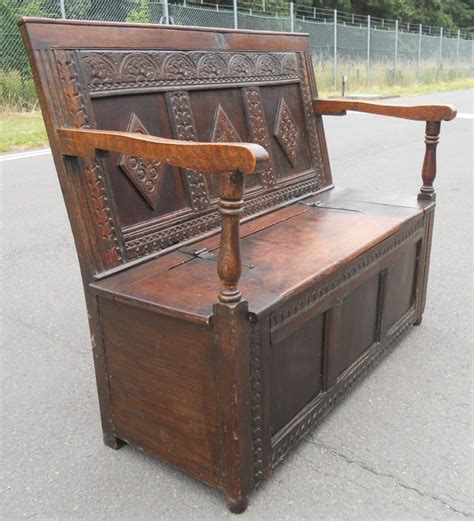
x=229, y=265
x=233, y=350
x=427, y=191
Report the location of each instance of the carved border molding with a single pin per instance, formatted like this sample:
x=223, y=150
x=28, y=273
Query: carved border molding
x=184, y=128
x=81, y=116
x=307, y=299
x=310, y=120
x=117, y=70
x=256, y=402
x=313, y=416
x=169, y=236
x=259, y=130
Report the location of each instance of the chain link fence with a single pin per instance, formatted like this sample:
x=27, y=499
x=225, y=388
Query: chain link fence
x=370, y=52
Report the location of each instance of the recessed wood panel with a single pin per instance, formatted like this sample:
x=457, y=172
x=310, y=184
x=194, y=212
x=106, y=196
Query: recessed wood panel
x=116, y=113
x=359, y=322
x=220, y=117
x=284, y=113
x=295, y=372
x=400, y=283
x=162, y=386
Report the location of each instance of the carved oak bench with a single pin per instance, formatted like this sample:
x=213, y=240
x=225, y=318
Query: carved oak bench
x=220, y=374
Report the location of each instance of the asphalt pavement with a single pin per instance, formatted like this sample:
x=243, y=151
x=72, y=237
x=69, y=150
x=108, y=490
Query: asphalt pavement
x=398, y=448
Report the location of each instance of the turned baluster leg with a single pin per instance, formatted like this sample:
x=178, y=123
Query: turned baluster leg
x=229, y=266
x=427, y=191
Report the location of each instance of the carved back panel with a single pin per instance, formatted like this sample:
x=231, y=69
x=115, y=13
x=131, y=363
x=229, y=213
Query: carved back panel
x=173, y=82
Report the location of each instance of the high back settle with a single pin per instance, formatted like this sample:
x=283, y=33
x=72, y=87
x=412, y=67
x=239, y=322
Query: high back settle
x=167, y=136
x=187, y=84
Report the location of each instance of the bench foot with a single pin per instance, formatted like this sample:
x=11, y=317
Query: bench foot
x=113, y=442
x=418, y=321
x=237, y=506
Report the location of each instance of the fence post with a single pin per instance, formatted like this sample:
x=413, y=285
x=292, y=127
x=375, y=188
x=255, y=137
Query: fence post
x=166, y=12
x=263, y=5
x=368, y=50
x=292, y=17
x=395, y=62
x=458, y=43
x=236, y=21
x=420, y=37
x=63, y=9
x=335, y=49
x=440, y=58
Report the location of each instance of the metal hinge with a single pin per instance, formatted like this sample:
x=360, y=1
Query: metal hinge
x=320, y=204
x=204, y=253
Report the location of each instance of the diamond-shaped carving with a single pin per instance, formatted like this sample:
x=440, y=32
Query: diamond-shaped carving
x=286, y=131
x=143, y=173
x=224, y=131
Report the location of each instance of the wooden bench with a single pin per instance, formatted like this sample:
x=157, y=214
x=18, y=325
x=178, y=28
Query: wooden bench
x=218, y=346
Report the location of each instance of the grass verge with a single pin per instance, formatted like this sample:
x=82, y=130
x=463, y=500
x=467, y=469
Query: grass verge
x=25, y=130
x=21, y=131
x=409, y=90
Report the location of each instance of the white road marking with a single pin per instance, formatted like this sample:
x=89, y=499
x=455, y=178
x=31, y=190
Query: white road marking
x=460, y=115
x=22, y=155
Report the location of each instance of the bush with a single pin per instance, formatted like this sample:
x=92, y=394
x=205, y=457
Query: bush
x=17, y=92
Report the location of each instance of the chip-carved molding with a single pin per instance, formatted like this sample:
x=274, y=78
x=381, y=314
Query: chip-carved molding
x=256, y=368
x=313, y=416
x=259, y=130
x=109, y=70
x=184, y=128
x=315, y=145
x=310, y=297
x=81, y=116
x=143, y=173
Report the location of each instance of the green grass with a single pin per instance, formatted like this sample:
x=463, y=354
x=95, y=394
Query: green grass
x=25, y=130
x=21, y=131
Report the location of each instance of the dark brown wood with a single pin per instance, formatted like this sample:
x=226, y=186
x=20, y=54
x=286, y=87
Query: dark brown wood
x=232, y=329
x=423, y=266
x=325, y=107
x=229, y=312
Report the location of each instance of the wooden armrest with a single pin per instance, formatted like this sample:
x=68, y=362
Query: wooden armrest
x=216, y=158
x=431, y=114
x=325, y=107
x=231, y=160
